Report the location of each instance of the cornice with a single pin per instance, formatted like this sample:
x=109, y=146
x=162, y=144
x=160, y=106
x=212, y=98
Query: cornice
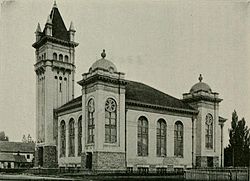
x=46, y=38
x=102, y=78
x=162, y=108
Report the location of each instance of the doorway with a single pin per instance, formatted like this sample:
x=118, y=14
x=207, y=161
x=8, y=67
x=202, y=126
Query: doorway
x=210, y=162
x=40, y=156
x=89, y=160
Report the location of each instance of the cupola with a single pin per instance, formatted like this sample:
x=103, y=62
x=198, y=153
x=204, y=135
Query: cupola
x=103, y=64
x=200, y=86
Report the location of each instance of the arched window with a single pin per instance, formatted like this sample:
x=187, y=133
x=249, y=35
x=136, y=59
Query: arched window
x=66, y=58
x=142, y=140
x=54, y=56
x=63, y=139
x=71, y=137
x=91, y=121
x=110, y=121
x=61, y=57
x=178, y=139
x=209, y=131
x=80, y=136
x=161, y=137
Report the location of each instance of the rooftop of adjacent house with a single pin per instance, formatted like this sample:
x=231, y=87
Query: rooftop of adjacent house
x=9, y=157
x=140, y=93
x=15, y=147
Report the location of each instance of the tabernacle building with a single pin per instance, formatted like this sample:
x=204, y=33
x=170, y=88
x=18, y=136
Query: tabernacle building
x=116, y=123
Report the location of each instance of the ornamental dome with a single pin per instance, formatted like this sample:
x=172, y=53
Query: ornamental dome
x=103, y=64
x=200, y=86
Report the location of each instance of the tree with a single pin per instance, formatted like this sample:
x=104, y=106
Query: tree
x=3, y=137
x=237, y=153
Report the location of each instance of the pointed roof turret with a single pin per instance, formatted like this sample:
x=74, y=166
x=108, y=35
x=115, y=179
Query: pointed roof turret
x=58, y=28
x=49, y=21
x=38, y=29
x=71, y=27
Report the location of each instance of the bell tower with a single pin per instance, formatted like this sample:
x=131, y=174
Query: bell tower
x=55, y=69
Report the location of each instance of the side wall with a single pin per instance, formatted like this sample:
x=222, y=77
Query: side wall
x=152, y=160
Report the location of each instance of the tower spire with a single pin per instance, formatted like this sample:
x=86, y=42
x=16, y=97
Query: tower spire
x=38, y=29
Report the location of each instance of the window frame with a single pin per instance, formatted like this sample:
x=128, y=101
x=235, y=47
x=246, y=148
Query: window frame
x=142, y=135
x=110, y=121
x=62, y=138
x=71, y=137
x=91, y=122
x=178, y=139
x=209, y=124
x=161, y=138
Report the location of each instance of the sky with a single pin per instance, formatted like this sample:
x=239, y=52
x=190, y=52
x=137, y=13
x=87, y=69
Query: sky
x=163, y=43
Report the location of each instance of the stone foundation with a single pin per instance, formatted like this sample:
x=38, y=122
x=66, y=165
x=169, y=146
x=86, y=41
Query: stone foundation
x=50, y=157
x=202, y=161
x=105, y=160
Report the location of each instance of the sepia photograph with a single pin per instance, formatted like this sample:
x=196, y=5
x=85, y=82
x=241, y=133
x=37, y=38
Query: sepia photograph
x=125, y=90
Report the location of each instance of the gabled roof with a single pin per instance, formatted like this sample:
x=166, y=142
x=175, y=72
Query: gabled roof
x=144, y=94
x=15, y=147
x=141, y=94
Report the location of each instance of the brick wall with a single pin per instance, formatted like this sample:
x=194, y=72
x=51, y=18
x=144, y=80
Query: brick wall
x=50, y=157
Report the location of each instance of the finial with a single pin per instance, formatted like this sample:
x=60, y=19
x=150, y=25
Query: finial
x=200, y=78
x=54, y=6
x=71, y=27
x=103, y=54
x=49, y=21
x=38, y=29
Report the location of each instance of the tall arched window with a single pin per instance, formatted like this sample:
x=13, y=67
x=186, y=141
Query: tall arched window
x=54, y=56
x=209, y=131
x=80, y=136
x=91, y=121
x=142, y=140
x=178, y=139
x=161, y=137
x=61, y=57
x=63, y=139
x=110, y=121
x=71, y=137
x=66, y=58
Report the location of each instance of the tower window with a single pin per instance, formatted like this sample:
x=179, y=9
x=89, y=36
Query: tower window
x=60, y=78
x=66, y=58
x=65, y=78
x=60, y=87
x=55, y=77
x=91, y=123
x=54, y=56
x=61, y=57
x=110, y=121
x=209, y=131
x=44, y=55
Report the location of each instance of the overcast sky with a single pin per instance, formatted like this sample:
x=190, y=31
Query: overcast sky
x=165, y=44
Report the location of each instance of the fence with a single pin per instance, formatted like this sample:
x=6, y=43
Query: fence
x=222, y=174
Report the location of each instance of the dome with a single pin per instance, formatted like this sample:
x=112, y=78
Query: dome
x=200, y=86
x=104, y=64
